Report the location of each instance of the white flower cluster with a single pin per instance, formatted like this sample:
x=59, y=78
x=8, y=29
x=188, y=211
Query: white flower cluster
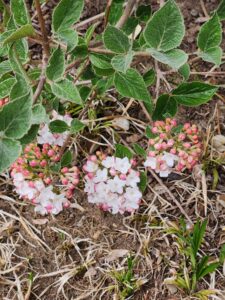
x=112, y=183
x=44, y=199
x=45, y=136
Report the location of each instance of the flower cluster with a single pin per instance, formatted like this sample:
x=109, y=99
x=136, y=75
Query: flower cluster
x=35, y=180
x=173, y=147
x=112, y=183
x=46, y=136
x=4, y=101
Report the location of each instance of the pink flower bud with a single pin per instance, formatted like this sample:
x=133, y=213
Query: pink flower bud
x=151, y=142
x=187, y=125
x=69, y=194
x=25, y=172
x=158, y=146
x=31, y=184
x=167, y=128
x=170, y=143
x=65, y=170
x=49, y=207
x=48, y=180
x=123, y=177
x=66, y=204
x=65, y=181
x=51, y=153
x=173, y=151
x=174, y=122
x=162, y=135
x=181, y=136
x=189, y=131
x=43, y=163
x=187, y=145
x=133, y=162
x=76, y=181
x=164, y=146
x=154, y=130
x=151, y=154
x=41, y=175
x=112, y=172
x=90, y=175
x=85, y=168
x=33, y=163
x=93, y=158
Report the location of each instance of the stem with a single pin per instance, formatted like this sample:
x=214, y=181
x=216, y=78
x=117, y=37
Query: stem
x=43, y=28
x=127, y=12
x=105, y=51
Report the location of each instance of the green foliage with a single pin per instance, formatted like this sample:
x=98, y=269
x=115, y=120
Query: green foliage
x=166, y=106
x=209, y=39
x=121, y=63
x=58, y=126
x=122, y=151
x=56, y=66
x=66, y=13
x=20, y=12
x=68, y=36
x=165, y=30
x=6, y=86
x=195, y=267
x=221, y=10
x=115, y=40
x=66, y=90
x=24, y=31
x=76, y=126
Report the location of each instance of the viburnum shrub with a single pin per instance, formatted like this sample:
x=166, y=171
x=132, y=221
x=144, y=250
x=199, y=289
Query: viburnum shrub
x=79, y=71
x=112, y=183
x=173, y=147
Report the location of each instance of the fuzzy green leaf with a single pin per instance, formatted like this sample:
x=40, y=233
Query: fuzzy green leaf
x=15, y=117
x=174, y=58
x=194, y=93
x=115, y=40
x=100, y=61
x=149, y=77
x=165, y=107
x=5, y=67
x=221, y=10
x=20, y=12
x=66, y=13
x=185, y=71
x=38, y=114
x=66, y=159
x=6, y=86
x=58, y=126
x=9, y=152
x=56, y=65
x=66, y=90
x=132, y=85
x=70, y=37
x=76, y=126
x=122, y=151
x=213, y=55
x=121, y=63
x=165, y=30
x=24, y=31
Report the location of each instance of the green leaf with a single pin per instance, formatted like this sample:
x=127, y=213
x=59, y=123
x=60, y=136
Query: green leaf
x=149, y=77
x=165, y=30
x=66, y=159
x=68, y=36
x=144, y=12
x=58, y=126
x=66, y=13
x=149, y=133
x=115, y=13
x=15, y=117
x=213, y=55
x=56, y=65
x=132, y=85
x=66, y=90
x=20, y=88
x=194, y=93
x=222, y=254
x=198, y=234
x=122, y=151
x=30, y=135
x=165, y=107
x=209, y=269
x=100, y=61
x=185, y=71
x=174, y=58
x=143, y=181
x=221, y=10
x=210, y=35
x=115, y=40
x=121, y=63
x=103, y=72
x=76, y=126
x=9, y=152
x=89, y=33
x=38, y=114
x=130, y=25
x=6, y=86
x=24, y=31
x=20, y=13
x=139, y=150
x=5, y=67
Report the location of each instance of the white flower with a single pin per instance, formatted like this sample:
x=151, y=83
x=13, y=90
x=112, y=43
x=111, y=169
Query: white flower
x=89, y=186
x=151, y=162
x=122, y=165
x=114, y=202
x=101, y=175
x=164, y=173
x=45, y=136
x=45, y=194
x=109, y=162
x=116, y=185
x=132, y=179
x=91, y=166
x=18, y=178
x=169, y=159
x=133, y=195
x=102, y=188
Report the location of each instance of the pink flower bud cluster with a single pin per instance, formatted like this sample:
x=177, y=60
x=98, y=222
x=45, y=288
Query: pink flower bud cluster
x=112, y=183
x=35, y=180
x=4, y=101
x=171, y=149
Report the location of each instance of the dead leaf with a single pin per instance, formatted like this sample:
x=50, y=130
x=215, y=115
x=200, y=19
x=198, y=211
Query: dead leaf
x=218, y=142
x=115, y=254
x=121, y=123
x=90, y=272
x=40, y=221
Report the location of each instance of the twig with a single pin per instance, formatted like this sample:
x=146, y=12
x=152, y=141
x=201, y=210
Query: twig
x=171, y=195
x=204, y=9
x=107, y=12
x=90, y=20
x=127, y=12
x=46, y=51
x=105, y=51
